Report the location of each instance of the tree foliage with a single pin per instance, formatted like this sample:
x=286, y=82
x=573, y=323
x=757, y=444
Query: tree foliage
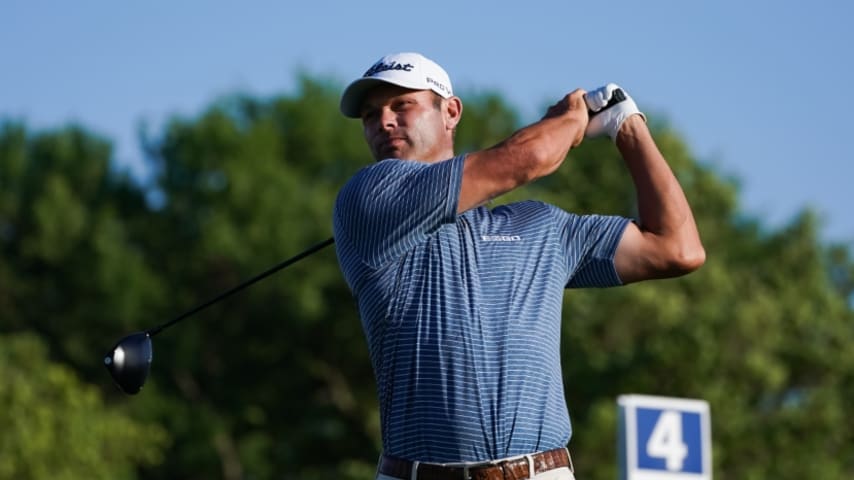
x=56, y=427
x=275, y=382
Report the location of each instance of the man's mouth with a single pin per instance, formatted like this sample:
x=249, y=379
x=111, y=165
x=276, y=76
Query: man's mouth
x=392, y=143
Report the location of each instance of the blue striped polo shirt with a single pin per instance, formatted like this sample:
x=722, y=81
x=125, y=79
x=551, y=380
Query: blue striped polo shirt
x=462, y=313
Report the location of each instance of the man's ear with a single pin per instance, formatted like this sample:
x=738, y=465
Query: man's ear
x=453, y=112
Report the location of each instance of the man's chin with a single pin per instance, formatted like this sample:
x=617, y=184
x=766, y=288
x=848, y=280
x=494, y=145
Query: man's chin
x=392, y=152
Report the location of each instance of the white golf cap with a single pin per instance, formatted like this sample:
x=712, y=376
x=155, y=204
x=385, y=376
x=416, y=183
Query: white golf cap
x=408, y=70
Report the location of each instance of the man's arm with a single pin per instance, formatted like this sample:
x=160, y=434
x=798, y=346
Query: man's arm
x=666, y=242
x=530, y=153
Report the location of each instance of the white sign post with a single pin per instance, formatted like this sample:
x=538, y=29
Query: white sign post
x=664, y=438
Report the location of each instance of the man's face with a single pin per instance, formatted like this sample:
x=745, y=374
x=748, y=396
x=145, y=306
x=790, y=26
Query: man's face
x=406, y=124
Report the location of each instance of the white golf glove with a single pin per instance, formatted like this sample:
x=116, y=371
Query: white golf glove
x=609, y=107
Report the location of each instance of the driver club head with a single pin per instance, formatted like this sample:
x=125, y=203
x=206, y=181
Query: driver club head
x=129, y=362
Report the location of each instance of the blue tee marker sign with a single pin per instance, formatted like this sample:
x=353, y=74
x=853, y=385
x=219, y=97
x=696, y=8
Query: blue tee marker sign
x=664, y=438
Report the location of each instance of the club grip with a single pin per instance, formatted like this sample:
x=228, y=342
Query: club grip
x=617, y=96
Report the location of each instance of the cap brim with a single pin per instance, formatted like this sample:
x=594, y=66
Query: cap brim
x=354, y=94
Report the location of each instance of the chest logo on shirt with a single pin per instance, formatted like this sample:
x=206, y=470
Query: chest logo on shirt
x=501, y=238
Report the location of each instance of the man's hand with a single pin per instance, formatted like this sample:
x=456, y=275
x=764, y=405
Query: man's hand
x=610, y=106
x=572, y=107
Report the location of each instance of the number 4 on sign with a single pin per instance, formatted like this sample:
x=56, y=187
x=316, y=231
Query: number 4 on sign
x=666, y=440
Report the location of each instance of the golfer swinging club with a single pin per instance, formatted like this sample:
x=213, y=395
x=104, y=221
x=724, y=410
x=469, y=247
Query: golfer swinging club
x=461, y=303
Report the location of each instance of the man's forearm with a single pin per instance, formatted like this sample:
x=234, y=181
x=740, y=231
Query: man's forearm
x=665, y=216
x=530, y=153
x=662, y=204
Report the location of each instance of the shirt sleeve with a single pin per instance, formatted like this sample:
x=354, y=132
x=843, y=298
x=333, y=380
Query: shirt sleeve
x=389, y=207
x=590, y=243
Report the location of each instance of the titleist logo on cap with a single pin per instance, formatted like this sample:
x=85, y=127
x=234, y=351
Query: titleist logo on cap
x=382, y=67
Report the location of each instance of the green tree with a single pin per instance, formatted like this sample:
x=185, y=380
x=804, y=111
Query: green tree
x=54, y=426
x=69, y=273
x=71, y=228
x=274, y=377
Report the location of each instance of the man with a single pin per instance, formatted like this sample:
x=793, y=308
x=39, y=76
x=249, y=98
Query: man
x=460, y=303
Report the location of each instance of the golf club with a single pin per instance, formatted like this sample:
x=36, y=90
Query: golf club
x=129, y=361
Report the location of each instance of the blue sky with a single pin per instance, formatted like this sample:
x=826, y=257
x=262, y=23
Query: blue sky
x=761, y=90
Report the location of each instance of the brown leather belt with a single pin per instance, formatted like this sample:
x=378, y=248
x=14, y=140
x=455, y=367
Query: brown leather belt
x=516, y=469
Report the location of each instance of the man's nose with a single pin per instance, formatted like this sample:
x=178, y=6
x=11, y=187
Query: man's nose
x=388, y=119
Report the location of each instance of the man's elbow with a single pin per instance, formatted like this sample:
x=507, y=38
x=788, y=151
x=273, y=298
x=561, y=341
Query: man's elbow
x=686, y=259
x=536, y=158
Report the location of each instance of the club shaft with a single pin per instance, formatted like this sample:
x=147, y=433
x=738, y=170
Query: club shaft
x=320, y=246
